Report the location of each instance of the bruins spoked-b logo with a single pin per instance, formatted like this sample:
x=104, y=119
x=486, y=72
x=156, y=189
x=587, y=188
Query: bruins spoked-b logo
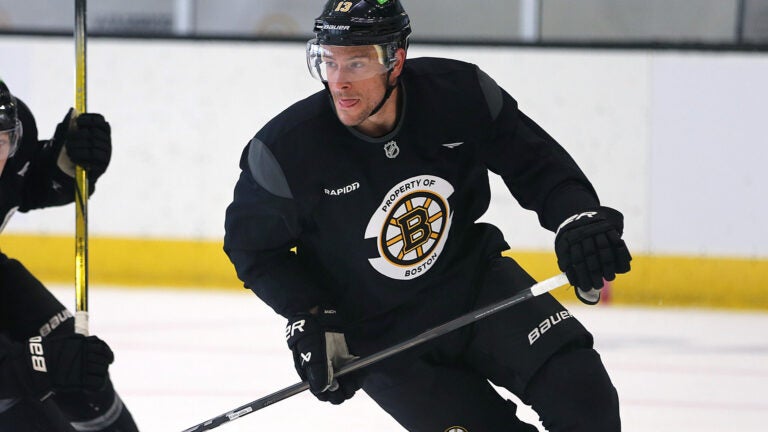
x=411, y=226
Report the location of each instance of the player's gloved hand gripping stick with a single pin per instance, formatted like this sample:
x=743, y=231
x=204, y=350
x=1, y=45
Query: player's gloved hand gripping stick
x=319, y=349
x=535, y=290
x=589, y=249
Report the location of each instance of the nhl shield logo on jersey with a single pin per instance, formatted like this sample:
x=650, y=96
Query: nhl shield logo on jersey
x=456, y=429
x=391, y=149
x=411, y=226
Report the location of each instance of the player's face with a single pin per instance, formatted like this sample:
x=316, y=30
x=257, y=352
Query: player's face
x=356, y=100
x=5, y=148
x=357, y=82
x=5, y=144
x=9, y=141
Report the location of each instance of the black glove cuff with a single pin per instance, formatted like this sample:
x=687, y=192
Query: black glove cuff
x=610, y=215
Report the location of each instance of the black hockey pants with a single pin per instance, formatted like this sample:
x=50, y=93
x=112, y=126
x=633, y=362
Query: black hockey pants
x=536, y=350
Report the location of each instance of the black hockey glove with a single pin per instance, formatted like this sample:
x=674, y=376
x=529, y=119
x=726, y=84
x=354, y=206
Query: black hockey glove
x=589, y=249
x=71, y=363
x=88, y=143
x=318, y=348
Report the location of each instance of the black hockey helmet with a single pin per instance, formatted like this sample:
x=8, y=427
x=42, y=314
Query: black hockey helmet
x=383, y=24
x=10, y=126
x=362, y=22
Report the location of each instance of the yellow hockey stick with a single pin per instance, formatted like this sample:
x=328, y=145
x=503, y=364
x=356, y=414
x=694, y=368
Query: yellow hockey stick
x=81, y=182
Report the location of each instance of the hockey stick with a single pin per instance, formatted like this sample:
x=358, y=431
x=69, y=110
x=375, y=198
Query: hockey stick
x=535, y=290
x=81, y=183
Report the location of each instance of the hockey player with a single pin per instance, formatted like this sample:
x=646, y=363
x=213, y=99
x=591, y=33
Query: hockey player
x=51, y=379
x=377, y=182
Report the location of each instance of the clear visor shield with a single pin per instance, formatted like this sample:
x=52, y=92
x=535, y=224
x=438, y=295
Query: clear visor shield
x=9, y=141
x=336, y=63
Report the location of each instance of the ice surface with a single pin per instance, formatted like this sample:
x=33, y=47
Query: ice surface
x=184, y=356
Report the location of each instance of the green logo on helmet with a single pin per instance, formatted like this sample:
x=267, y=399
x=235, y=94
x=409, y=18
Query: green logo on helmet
x=381, y=2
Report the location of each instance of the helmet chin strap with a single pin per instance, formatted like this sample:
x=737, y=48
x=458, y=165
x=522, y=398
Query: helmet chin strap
x=387, y=94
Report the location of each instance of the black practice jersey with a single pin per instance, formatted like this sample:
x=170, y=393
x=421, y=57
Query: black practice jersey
x=323, y=215
x=31, y=178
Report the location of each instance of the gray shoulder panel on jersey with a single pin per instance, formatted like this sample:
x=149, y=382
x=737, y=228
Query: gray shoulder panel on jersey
x=492, y=93
x=266, y=170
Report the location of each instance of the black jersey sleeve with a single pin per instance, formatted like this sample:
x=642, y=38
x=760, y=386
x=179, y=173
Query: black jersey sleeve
x=261, y=231
x=540, y=173
x=46, y=185
x=41, y=182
